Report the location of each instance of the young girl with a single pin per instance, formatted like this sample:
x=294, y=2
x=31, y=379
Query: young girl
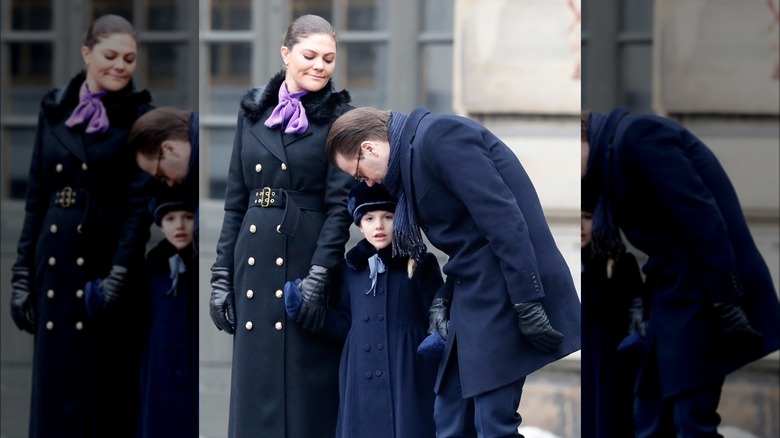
x=169, y=371
x=386, y=388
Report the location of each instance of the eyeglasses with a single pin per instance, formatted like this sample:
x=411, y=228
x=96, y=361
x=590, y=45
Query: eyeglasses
x=157, y=175
x=358, y=178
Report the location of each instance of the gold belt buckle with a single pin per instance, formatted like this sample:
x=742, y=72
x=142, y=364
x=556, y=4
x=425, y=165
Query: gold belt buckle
x=265, y=197
x=66, y=197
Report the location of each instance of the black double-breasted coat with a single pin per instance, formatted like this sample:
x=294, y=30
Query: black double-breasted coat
x=85, y=210
x=674, y=201
x=475, y=202
x=284, y=380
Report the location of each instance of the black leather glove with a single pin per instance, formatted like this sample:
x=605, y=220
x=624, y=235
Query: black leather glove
x=314, y=294
x=22, y=308
x=636, y=317
x=536, y=327
x=732, y=320
x=113, y=285
x=438, y=316
x=222, y=307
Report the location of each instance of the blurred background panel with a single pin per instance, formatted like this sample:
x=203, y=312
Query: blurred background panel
x=713, y=66
x=40, y=42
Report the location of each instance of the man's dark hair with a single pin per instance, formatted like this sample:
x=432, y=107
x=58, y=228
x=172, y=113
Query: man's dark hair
x=156, y=126
x=353, y=128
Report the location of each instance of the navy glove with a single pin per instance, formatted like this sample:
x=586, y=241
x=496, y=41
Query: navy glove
x=536, y=327
x=93, y=298
x=222, y=307
x=433, y=344
x=636, y=313
x=103, y=294
x=314, y=299
x=438, y=317
x=732, y=320
x=292, y=298
x=22, y=308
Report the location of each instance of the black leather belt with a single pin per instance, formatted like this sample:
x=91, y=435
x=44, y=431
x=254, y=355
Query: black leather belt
x=292, y=202
x=69, y=197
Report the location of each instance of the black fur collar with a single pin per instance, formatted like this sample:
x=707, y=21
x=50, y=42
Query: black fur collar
x=357, y=257
x=322, y=107
x=122, y=107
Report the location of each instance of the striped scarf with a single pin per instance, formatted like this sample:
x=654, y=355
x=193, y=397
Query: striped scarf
x=407, y=240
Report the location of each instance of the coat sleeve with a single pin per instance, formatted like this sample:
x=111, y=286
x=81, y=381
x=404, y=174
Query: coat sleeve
x=673, y=167
x=36, y=204
x=236, y=203
x=429, y=281
x=448, y=146
x=135, y=234
x=338, y=318
x=335, y=230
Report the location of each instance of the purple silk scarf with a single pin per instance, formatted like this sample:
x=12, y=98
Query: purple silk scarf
x=289, y=112
x=91, y=110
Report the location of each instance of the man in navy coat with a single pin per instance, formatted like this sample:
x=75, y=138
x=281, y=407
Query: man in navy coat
x=514, y=307
x=711, y=305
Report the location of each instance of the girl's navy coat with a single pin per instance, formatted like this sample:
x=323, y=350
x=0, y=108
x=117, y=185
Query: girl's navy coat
x=284, y=381
x=386, y=388
x=475, y=202
x=85, y=370
x=169, y=370
x=607, y=376
x=675, y=203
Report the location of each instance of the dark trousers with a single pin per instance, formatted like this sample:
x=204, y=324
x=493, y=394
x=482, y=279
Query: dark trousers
x=692, y=414
x=491, y=414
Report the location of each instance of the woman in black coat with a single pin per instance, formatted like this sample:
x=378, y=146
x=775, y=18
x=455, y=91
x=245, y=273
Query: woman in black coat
x=85, y=224
x=285, y=216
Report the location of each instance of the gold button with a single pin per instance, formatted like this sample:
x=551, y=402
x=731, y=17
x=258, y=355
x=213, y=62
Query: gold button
x=250, y=293
x=251, y=261
x=252, y=229
x=79, y=325
x=78, y=228
x=52, y=261
x=279, y=261
x=79, y=293
x=53, y=228
x=279, y=293
x=80, y=261
x=278, y=326
x=258, y=167
x=84, y=166
x=50, y=293
x=49, y=325
x=284, y=166
x=278, y=228
x=249, y=325
x=58, y=167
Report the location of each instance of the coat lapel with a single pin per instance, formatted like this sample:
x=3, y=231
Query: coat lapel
x=71, y=139
x=269, y=139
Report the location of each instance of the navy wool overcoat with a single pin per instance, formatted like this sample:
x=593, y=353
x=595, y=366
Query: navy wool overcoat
x=674, y=202
x=475, y=202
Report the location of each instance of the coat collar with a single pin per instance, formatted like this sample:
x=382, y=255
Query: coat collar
x=322, y=107
x=122, y=107
x=357, y=257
